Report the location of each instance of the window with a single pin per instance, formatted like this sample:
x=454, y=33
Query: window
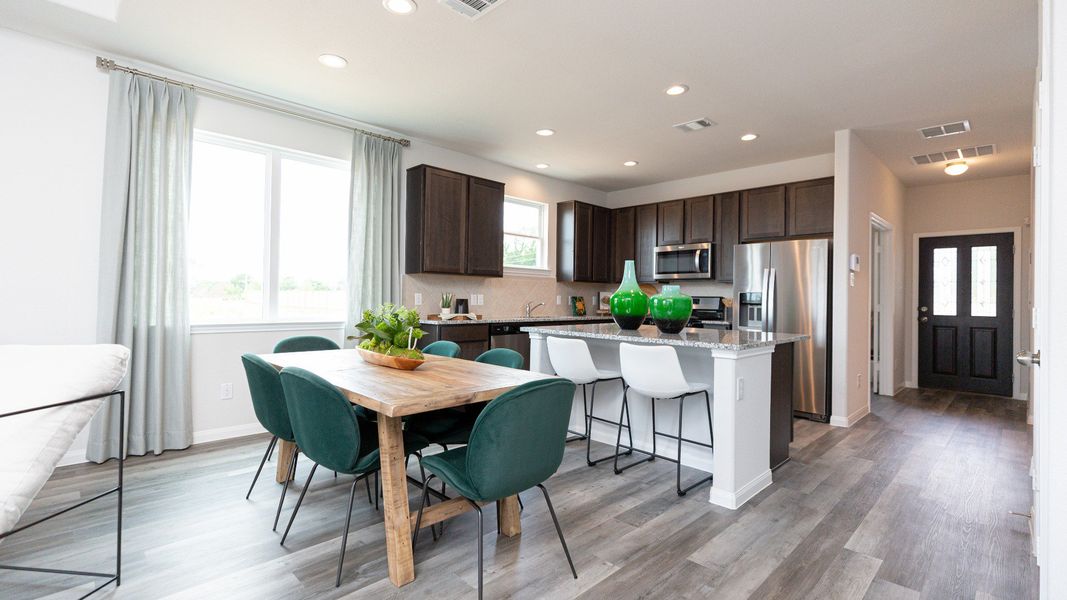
x=268, y=233
x=525, y=237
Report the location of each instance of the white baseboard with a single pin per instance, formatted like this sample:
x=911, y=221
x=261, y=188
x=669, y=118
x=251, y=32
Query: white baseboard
x=743, y=494
x=1021, y=396
x=910, y=384
x=852, y=419
x=76, y=456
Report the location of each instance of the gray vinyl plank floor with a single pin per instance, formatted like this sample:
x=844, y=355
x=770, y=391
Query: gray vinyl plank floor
x=912, y=502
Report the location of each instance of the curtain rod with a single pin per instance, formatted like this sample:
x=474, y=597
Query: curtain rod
x=106, y=64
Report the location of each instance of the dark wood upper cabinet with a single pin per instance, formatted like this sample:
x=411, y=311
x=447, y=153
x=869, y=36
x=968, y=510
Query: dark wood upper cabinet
x=726, y=234
x=810, y=207
x=623, y=240
x=485, y=228
x=583, y=242
x=671, y=223
x=763, y=213
x=601, y=244
x=646, y=224
x=454, y=223
x=699, y=220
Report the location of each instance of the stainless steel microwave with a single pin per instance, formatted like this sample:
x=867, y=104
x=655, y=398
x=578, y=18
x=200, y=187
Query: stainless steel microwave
x=686, y=261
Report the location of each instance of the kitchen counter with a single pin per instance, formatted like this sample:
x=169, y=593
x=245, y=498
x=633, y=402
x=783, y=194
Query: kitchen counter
x=712, y=339
x=750, y=374
x=520, y=320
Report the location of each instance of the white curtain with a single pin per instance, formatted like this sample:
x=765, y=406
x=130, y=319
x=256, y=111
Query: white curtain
x=374, y=226
x=143, y=289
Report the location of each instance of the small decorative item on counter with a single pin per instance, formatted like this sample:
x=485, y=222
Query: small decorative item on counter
x=603, y=302
x=578, y=306
x=629, y=304
x=462, y=306
x=671, y=309
x=388, y=335
x=446, y=304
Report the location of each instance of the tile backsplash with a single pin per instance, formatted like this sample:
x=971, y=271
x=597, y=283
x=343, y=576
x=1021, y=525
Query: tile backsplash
x=507, y=296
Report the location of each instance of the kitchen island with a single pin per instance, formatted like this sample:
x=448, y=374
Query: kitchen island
x=744, y=379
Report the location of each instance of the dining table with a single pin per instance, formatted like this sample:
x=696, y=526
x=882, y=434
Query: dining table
x=393, y=394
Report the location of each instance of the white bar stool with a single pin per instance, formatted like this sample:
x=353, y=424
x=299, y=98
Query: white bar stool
x=655, y=372
x=571, y=360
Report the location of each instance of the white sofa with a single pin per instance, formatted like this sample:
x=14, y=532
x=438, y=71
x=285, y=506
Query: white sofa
x=32, y=444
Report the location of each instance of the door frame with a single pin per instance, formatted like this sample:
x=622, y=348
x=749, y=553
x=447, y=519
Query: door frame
x=1016, y=332
x=886, y=364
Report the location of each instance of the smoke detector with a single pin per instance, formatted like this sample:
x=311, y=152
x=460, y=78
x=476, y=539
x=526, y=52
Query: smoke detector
x=472, y=9
x=957, y=154
x=936, y=131
x=696, y=125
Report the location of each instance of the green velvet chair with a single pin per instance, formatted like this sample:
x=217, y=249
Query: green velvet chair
x=517, y=443
x=502, y=357
x=442, y=348
x=268, y=402
x=333, y=435
x=305, y=343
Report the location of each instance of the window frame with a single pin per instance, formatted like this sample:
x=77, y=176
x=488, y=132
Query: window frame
x=540, y=270
x=272, y=207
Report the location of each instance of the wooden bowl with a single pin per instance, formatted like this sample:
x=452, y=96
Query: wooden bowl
x=393, y=362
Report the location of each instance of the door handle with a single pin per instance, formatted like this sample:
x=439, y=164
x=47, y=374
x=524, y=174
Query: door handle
x=1029, y=359
x=924, y=319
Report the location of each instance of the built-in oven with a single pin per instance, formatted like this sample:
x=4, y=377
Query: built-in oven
x=686, y=261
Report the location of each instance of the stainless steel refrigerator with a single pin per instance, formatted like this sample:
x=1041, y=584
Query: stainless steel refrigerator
x=786, y=287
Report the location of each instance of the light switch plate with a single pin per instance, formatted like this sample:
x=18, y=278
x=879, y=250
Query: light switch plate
x=559, y=299
x=226, y=391
x=418, y=299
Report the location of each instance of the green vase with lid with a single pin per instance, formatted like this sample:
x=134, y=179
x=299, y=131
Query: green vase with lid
x=629, y=304
x=671, y=309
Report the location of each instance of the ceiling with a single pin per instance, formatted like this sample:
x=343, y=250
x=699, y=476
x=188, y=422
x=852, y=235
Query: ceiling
x=595, y=71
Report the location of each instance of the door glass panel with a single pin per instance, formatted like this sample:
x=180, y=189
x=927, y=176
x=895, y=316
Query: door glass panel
x=945, y=281
x=984, y=281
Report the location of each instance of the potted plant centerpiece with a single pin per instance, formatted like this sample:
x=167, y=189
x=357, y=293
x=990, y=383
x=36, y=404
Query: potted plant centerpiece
x=388, y=337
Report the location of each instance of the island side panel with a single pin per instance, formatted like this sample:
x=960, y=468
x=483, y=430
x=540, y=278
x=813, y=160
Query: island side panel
x=742, y=413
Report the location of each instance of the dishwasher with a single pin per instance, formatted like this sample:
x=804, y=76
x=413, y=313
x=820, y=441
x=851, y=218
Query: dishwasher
x=509, y=336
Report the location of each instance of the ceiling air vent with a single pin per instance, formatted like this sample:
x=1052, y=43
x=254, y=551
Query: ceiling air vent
x=957, y=154
x=696, y=125
x=472, y=9
x=937, y=131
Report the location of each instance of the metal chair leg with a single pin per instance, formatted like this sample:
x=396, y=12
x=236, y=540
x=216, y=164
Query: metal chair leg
x=370, y=500
x=289, y=475
x=625, y=411
x=678, y=471
x=299, y=501
x=270, y=448
x=481, y=526
x=711, y=428
x=422, y=505
x=585, y=409
x=422, y=472
x=559, y=531
x=344, y=538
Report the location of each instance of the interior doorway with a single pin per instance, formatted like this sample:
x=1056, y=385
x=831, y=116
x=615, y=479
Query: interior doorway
x=881, y=307
x=966, y=313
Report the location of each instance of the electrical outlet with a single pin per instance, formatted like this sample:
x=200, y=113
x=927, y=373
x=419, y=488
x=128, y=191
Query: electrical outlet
x=740, y=389
x=851, y=280
x=559, y=299
x=226, y=391
x=418, y=299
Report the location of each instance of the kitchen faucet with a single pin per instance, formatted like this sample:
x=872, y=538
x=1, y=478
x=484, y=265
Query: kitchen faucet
x=530, y=309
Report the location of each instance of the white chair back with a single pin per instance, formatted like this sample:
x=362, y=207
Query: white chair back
x=571, y=359
x=652, y=370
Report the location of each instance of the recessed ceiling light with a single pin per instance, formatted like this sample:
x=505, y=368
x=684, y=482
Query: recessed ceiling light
x=541, y=165
x=748, y=137
x=545, y=132
x=956, y=168
x=400, y=7
x=677, y=89
x=333, y=61
x=630, y=163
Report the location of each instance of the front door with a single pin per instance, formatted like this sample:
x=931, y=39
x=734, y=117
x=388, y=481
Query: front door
x=965, y=313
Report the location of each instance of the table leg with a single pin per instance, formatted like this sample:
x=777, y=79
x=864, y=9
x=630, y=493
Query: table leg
x=507, y=516
x=395, y=501
x=284, y=453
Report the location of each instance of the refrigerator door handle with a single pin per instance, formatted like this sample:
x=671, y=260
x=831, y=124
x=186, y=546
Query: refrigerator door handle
x=771, y=316
x=764, y=296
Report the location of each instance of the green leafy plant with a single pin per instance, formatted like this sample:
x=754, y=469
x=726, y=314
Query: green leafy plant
x=446, y=300
x=390, y=329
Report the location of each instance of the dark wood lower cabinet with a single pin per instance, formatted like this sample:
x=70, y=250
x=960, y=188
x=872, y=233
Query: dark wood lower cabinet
x=472, y=339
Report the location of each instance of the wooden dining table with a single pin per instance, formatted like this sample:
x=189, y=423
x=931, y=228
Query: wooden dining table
x=393, y=394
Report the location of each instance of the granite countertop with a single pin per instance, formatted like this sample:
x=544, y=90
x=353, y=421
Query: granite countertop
x=537, y=319
x=713, y=339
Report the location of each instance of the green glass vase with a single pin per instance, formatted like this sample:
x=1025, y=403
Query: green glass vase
x=671, y=309
x=629, y=304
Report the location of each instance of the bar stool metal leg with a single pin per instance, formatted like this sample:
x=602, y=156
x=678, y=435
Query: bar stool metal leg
x=625, y=411
x=585, y=409
x=678, y=474
x=592, y=417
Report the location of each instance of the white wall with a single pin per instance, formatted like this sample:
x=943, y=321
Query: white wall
x=862, y=185
x=976, y=205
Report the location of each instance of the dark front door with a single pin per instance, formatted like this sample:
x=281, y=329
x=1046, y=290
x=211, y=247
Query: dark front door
x=965, y=313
